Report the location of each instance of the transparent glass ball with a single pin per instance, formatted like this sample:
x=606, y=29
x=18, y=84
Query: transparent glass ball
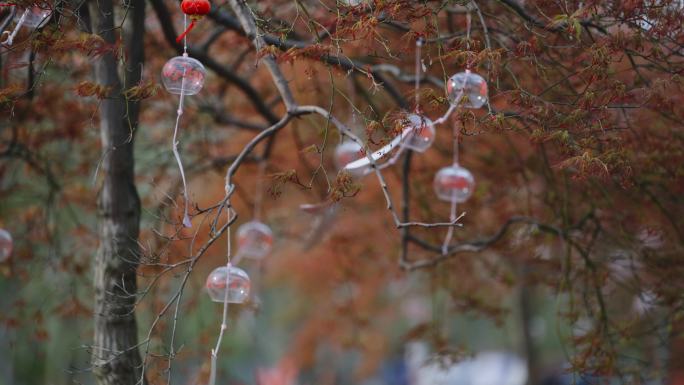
x=237, y=280
x=454, y=184
x=183, y=75
x=37, y=15
x=6, y=245
x=422, y=135
x=255, y=240
x=467, y=89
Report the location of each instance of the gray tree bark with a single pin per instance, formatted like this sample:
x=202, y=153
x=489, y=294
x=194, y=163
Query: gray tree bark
x=116, y=358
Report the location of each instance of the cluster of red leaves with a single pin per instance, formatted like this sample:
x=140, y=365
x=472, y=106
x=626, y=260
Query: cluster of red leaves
x=90, y=45
x=87, y=88
x=313, y=52
x=145, y=89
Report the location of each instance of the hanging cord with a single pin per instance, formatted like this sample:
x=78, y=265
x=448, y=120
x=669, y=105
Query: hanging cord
x=454, y=205
x=176, y=142
x=10, y=36
x=358, y=130
x=179, y=113
x=419, y=44
x=452, y=214
x=488, y=43
x=259, y=193
x=416, y=91
x=468, y=24
x=255, y=283
x=185, y=34
x=408, y=133
x=229, y=264
x=352, y=97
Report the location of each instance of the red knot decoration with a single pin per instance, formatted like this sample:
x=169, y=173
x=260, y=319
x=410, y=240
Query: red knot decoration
x=196, y=9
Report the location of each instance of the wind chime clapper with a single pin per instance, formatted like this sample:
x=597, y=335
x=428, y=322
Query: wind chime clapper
x=33, y=17
x=183, y=75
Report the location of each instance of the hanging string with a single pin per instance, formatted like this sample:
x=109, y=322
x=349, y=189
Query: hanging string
x=259, y=194
x=468, y=24
x=357, y=129
x=224, y=320
x=185, y=34
x=452, y=213
x=454, y=205
x=229, y=265
x=352, y=97
x=176, y=142
x=488, y=44
x=179, y=113
x=455, y=144
x=450, y=231
x=419, y=45
x=455, y=154
x=409, y=131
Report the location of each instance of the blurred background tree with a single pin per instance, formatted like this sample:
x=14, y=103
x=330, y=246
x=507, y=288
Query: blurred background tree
x=569, y=259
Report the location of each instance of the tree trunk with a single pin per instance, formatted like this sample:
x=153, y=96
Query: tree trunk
x=676, y=359
x=116, y=358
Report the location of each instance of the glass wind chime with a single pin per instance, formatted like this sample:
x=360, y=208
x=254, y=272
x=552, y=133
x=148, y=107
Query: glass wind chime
x=184, y=76
x=34, y=16
x=453, y=183
x=229, y=284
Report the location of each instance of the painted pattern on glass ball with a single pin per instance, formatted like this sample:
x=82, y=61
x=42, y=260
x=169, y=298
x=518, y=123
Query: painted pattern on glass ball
x=183, y=75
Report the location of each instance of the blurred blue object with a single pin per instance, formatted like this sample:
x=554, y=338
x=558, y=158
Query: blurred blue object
x=395, y=372
x=571, y=379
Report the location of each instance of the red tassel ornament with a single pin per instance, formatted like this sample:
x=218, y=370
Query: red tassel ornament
x=196, y=9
